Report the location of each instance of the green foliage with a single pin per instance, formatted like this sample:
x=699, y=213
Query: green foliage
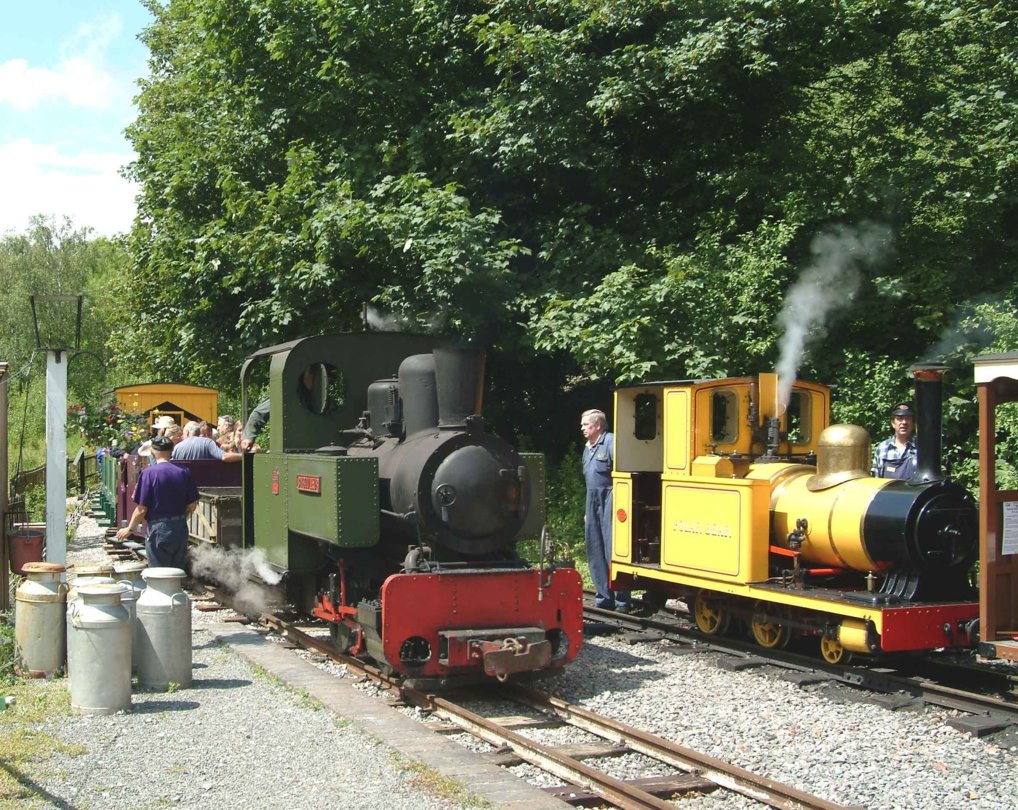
x=106, y=424
x=7, y=651
x=566, y=506
x=54, y=258
x=35, y=504
x=592, y=189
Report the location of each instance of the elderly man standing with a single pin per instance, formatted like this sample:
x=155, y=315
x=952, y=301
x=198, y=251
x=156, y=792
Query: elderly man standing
x=598, y=457
x=165, y=495
x=194, y=447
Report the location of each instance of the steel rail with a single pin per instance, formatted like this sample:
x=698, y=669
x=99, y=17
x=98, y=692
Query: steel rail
x=739, y=780
x=613, y=790
x=326, y=648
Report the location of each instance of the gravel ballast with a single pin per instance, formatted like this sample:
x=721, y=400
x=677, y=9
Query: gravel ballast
x=238, y=738
x=197, y=747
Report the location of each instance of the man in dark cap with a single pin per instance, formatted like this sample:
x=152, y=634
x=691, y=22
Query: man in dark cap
x=896, y=457
x=165, y=495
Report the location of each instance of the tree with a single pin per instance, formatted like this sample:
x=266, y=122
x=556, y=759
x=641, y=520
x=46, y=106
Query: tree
x=591, y=189
x=49, y=258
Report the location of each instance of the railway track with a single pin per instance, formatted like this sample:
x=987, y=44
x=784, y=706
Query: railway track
x=695, y=771
x=987, y=703
x=692, y=771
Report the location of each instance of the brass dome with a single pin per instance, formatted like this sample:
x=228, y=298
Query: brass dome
x=843, y=454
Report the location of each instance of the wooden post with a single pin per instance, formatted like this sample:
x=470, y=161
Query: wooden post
x=996, y=378
x=5, y=566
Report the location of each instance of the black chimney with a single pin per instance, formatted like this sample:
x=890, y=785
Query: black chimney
x=929, y=404
x=460, y=381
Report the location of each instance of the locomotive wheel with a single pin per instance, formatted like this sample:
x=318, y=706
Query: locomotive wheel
x=768, y=634
x=710, y=614
x=832, y=650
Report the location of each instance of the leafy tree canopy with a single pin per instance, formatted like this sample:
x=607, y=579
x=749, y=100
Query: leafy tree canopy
x=610, y=189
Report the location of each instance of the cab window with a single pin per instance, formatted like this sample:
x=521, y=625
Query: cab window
x=724, y=417
x=321, y=388
x=799, y=418
x=645, y=417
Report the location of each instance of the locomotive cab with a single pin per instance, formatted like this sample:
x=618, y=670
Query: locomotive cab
x=671, y=435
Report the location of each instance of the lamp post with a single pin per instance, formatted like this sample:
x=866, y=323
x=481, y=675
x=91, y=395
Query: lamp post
x=57, y=320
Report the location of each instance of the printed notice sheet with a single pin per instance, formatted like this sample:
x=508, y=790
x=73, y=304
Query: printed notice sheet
x=1010, y=528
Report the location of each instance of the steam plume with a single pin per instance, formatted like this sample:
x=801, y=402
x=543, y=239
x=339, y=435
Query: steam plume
x=828, y=284
x=377, y=321
x=240, y=571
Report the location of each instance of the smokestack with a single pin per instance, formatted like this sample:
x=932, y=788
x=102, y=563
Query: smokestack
x=929, y=403
x=460, y=381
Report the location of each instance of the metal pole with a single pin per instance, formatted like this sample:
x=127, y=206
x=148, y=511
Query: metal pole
x=56, y=456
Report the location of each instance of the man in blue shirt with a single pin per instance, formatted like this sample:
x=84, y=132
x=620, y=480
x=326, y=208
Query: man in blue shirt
x=896, y=457
x=165, y=495
x=195, y=447
x=598, y=458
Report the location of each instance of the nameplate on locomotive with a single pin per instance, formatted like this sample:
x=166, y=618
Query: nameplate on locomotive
x=309, y=483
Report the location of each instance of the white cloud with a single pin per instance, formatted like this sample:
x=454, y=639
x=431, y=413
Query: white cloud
x=84, y=186
x=81, y=78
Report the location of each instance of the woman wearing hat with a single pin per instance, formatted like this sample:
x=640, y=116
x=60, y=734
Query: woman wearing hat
x=896, y=457
x=159, y=426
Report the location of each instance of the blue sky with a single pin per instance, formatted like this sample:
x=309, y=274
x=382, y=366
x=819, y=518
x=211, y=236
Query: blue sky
x=68, y=73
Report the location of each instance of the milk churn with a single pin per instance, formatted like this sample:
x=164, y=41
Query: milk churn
x=39, y=639
x=164, y=630
x=74, y=584
x=93, y=569
x=99, y=650
x=129, y=574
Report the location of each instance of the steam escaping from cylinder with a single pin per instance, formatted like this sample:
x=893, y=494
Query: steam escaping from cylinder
x=237, y=570
x=828, y=284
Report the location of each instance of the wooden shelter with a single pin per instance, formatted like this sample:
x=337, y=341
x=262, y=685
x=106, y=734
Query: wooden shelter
x=177, y=400
x=996, y=377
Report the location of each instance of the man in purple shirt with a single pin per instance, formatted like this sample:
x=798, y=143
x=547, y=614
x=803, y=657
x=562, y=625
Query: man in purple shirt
x=199, y=448
x=165, y=495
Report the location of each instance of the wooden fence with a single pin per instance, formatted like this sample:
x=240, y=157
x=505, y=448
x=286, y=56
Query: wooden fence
x=81, y=470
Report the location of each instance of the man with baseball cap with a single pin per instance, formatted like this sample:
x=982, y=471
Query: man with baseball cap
x=165, y=495
x=896, y=457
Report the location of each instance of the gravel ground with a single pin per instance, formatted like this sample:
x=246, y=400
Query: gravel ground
x=206, y=738
x=236, y=739
x=851, y=753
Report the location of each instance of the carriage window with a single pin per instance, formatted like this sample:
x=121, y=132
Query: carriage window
x=798, y=418
x=724, y=426
x=321, y=388
x=645, y=417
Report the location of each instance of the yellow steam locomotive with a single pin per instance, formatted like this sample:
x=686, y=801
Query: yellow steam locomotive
x=741, y=499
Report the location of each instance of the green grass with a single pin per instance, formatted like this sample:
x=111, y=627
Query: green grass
x=25, y=752
x=429, y=781
x=304, y=699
